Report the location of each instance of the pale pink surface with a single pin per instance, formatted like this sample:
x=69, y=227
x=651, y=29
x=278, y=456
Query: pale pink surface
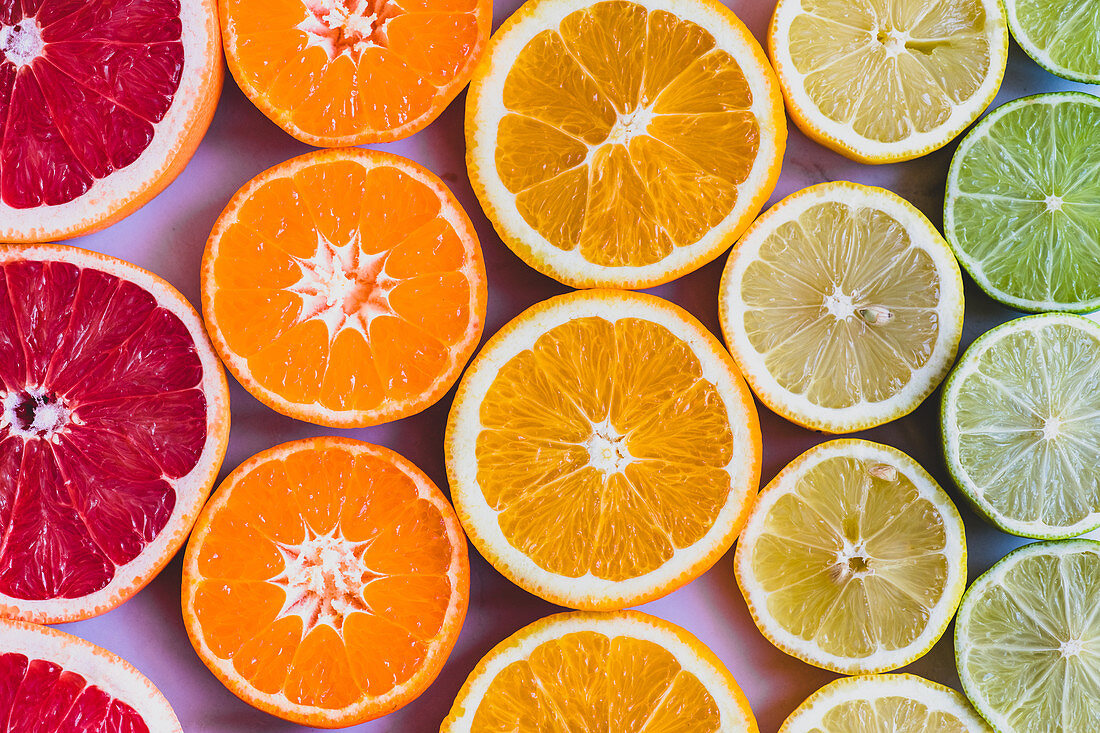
x=168, y=235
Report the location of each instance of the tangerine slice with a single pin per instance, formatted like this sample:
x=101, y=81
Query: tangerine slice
x=115, y=418
x=345, y=287
x=348, y=72
x=326, y=582
x=102, y=104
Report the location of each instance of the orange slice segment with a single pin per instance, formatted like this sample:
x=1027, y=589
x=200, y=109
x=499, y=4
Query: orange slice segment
x=345, y=287
x=602, y=449
x=326, y=582
x=348, y=72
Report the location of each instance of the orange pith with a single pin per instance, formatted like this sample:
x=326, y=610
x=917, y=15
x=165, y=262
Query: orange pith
x=345, y=287
x=348, y=72
x=326, y=582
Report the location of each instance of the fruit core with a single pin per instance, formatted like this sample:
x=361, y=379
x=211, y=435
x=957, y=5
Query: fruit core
x=35, y=413
x=607, y=451
x=346, y=26
x=1071, y=648
x=852, y=562
x=629, y=126
x=323, y=579
x=21, y=43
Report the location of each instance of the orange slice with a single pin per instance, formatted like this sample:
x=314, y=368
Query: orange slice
x=625, y=672
x=602, y=449
x=344, y=287
x=348, y=72
x=623, y=144
x=326, y=582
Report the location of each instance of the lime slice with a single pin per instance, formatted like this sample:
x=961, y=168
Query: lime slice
x=853, y=559
x=1063, y=36
x=1022, y=210
x=885, y=702
x=1021, y=425
x=1027, y=640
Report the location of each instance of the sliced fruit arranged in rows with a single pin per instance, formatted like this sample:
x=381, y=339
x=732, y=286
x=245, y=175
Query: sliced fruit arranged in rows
x=54, y=682
x=114, y=425
x=853, y=559
x=345, y=287
x=602, y=450
x=627, y=672
x=348, y=72
x=1022, y=209
x=1027, y=639
x=843, y=306
x=104, y=102
x=885, y=702
x=326, y=581
x=1063, y=37
x=623, y=144
x=887, y=80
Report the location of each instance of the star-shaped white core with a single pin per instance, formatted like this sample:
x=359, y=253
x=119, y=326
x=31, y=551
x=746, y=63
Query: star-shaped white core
x=348, y=26
x=21, y=43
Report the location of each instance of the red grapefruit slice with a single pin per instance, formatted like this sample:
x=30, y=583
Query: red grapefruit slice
x=52, y=682
x=102, y=103
x=114, y=425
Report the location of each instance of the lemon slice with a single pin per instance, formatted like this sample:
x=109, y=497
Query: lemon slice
x=853, y=559
x=602, y=449
x=888, y=80
x=885, y=702
x=601, y=672
x=1027, y=639
x=843, y=306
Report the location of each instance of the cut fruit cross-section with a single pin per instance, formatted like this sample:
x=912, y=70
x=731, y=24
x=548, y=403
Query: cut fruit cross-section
x=623, y=144
x=114, y=422
x=326, y=582
x=345, y=287
x=102, y=104
x=602, y=449
x=1063, y=36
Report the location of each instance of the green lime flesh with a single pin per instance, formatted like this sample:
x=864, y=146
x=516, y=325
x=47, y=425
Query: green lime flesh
x=1062, y=36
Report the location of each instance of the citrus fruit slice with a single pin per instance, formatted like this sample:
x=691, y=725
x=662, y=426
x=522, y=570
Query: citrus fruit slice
x=102, y=104
x=1027, y=639
x=843, y=307
x=1022, y=209
x=886, y=80
x=1063, y=37
x=853, y=559
x=602, y=449
x=326, y=581
x=115, y=418
x=1021, y=421
x=345, y=287
x=626, y=672
x=348, y=72
x=891, y=703
x=52, y=681
x=623, y=144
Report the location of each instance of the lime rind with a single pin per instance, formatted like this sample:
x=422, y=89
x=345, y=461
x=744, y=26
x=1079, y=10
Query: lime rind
x=1048, y=599
x=967, y=366
x=1022, y=13
x=1067, y=213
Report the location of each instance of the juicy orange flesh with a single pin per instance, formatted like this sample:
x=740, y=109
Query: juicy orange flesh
x=627, y=133
x=359, y=616
x=343, y=286
x=841, y=305
x=604, y=449
x=586, y=681
x=334, y=71
x=890, y=68
x=892, y=712
x=853, y=559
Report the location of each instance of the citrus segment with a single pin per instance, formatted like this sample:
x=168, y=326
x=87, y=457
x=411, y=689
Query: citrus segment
x=853, y=559
x=843, y=306
x=602, y=449
x=884, y=80
x=345, y=287
x=1022, y=203
x=115, y=417
x=1020, y=417
x=1062, y=37
x=335, y=72
x=1038, y=605
x=626, y=173
x=625, y=671
x=103, y=105
x=326, y=582
x=51, y=681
